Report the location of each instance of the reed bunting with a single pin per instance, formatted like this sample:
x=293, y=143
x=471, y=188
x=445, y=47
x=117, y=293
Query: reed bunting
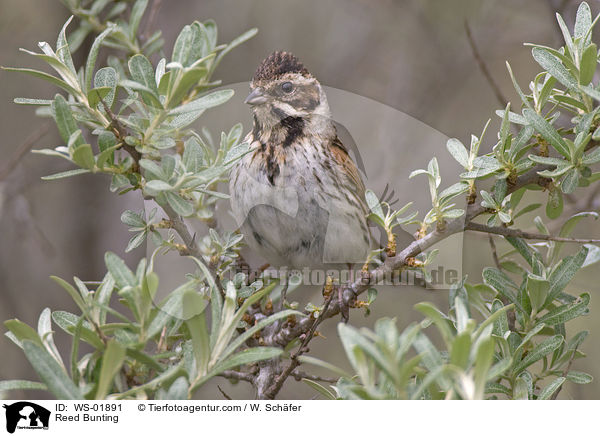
x=297, y=195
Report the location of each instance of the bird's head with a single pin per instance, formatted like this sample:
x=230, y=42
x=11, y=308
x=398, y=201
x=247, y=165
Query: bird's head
x=282, y=87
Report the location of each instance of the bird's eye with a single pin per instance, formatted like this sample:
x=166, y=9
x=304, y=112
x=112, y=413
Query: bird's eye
x=287, y=87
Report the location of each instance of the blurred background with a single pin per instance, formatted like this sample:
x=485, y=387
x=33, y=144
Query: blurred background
x=409, y=59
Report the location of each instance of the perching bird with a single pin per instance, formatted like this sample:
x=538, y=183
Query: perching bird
x=297, y=195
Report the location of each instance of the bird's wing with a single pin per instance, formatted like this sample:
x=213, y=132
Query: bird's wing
x=340, y=154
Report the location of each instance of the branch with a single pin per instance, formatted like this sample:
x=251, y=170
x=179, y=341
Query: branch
x=288, y=333
x=227, y=397
x=506, y=231
x=299, y=375
x=484, y=69
x=494, y=252
x=237, y=375
x=274, y=389
x=121, y=133
x=564, y=374
x=22, y=149
x=152, y=18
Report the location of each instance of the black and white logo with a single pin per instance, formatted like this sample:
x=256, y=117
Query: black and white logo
x=26, y=415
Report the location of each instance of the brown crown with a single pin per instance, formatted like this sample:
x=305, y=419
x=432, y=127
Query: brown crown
x=278, y=64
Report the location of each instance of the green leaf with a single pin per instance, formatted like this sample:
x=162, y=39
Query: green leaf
x=51, y=373
x=496, y=388
x=578, y=377
x=320, y=389
x=520, y=390
x=566, y=34
x=97, y=94
x=323, y=364
x=568, y=227
x=135, y=241
x=47, y=334
x=107, y=78
x=148, y=95
x=461, y=348
x=517, y=87
x=112, y=361
x=547, y=160
x=32, y=101
x=22, y=331
x=593, y=255
x=483, y=362
x=207, y=101
x=64, y=119
x=501, y=283
x=482, y=166
x=84, y=156
x=554, y=206
x=553, y=65
x=47, y=77
x=440, y=319
x=180, y=83
x=183, y=46
x=158, y=186
x=567, y=312
x=192, y=156
x=548, y=390
x=137, y=11
x=537, y=288
x=142, y=72
x=547, y=131
x=182, y=207
x=453, y=190
x=120, y=272
x=91, y=60
x=20, y=385
x=241, y=339
x=199, y=333
x=592, y=92
x=539, y=351
x=570, y=181
x=589, y=61
x=583, y=22
x=178, y=389
x=132, y=219
x=66, y=174
x=558, y=171
x=592, y=157
x=564, y=272
x=69, y=323
x=72, y=293
x=458, y=152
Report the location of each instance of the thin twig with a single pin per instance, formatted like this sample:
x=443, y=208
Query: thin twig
x=564, y=374
x=121, y=133
x=494, y=252
x=483, y=67
x=511, y=316
x=507, y=231
x=152, y=18
x=294, y=362
x=288, y=333
x=299, y=375
x=237, y=375
x=223, y=392
x=22, y=149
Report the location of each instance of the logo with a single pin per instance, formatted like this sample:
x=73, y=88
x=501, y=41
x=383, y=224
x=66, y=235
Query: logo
x=26, y=415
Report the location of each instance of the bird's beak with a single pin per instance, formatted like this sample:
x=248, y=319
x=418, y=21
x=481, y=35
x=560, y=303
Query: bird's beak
x=256, y=97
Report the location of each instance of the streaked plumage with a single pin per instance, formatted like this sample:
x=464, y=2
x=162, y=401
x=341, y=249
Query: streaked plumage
x=297, y=196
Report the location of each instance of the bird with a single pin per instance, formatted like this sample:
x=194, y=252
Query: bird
x=297, y=194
